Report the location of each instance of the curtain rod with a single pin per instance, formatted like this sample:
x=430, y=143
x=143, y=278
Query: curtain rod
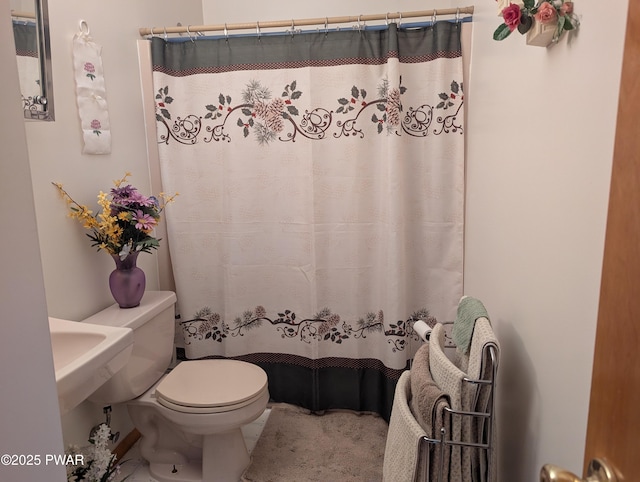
x=304, y=22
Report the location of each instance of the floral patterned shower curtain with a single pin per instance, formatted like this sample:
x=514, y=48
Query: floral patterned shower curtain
x=321, y=181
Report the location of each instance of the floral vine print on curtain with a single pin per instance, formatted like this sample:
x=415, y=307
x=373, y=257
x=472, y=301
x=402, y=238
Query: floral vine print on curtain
x=324, y=326
x=321, y=214
x=278, y=118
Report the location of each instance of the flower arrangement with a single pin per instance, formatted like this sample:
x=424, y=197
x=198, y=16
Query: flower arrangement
x=127, y=219
x=522, y=15
x=99, y=464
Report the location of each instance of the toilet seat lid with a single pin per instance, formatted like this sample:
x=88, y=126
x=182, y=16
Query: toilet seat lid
x=212, y=383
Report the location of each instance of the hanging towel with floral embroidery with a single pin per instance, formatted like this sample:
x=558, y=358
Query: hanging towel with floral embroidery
x=91, y=93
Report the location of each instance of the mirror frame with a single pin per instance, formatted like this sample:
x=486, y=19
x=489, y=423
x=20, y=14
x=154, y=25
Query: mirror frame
x=45, y=106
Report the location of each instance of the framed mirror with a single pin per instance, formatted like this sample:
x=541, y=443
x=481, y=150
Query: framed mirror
x=33, y=54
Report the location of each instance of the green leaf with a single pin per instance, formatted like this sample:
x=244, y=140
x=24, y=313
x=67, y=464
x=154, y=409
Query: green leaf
x=525, y=24
x=229, y=99
x=529, y=4
x=562, y=20
x=293, y=85
x=292, y=110
x=221, y=99
x=343, y=101
x=381, y=107
x=454, y=87
x=444, y=96
x=568, y=25
x=355, y=92
x=246, y=111
x=168, y=100
x=240, y=123
x=374, y=118
x=363, y=93
x=211, y=107
x=296, y=95
x=165, y=113
x=502, y=32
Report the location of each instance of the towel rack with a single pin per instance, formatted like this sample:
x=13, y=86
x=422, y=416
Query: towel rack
x=483, y=439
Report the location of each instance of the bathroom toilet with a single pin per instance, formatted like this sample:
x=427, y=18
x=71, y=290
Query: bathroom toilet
x=191, y=417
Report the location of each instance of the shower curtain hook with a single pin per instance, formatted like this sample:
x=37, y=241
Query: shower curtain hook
x=434, y=16
x=258, y=29
x=326, y=26
x=400, y=20
x=165, y=33
x=386, y=18
x=226, y=33
x=293, y=28
x=458, y=15
x=189, y=34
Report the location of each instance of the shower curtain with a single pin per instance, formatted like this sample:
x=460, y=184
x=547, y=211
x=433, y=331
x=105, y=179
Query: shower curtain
x=321, y=181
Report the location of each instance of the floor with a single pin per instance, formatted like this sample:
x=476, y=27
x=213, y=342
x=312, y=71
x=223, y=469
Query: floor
x=138, y=470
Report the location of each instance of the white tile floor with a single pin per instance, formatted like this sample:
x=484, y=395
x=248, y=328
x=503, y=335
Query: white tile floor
x=138, y=469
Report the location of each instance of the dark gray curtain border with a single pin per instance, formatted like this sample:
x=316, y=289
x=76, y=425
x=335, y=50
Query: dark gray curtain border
x=212, y=55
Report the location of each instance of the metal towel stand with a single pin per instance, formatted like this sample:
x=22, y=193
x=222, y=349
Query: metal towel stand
x=482, y=440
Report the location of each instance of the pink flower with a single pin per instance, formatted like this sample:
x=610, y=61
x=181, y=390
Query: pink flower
x=566, y=8
x=95, y=124
x=89, y=67
x=144, y=222
x=511, y=16
x=546, y=13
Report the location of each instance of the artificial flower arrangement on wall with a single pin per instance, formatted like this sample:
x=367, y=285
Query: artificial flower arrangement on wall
x=544, y=21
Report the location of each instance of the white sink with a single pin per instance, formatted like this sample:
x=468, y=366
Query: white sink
x=85, y=356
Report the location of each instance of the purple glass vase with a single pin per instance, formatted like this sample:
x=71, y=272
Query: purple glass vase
x=127, y=281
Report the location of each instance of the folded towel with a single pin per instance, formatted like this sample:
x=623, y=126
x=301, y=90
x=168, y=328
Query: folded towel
x=469, y=310
x=427, y=404
x=402, y=451
x=425, y=393
x=481, y=367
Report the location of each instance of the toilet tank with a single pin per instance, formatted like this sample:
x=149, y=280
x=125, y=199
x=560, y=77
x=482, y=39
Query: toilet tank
x=153, y=325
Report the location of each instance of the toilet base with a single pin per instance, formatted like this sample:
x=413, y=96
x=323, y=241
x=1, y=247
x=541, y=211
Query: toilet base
x=224, y=459
x=176, y=473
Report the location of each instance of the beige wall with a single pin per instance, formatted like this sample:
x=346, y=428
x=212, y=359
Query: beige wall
x=540, y=142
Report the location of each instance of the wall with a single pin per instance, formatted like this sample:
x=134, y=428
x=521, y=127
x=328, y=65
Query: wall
x=29, y=420
x=540, y=136
x=75, y=276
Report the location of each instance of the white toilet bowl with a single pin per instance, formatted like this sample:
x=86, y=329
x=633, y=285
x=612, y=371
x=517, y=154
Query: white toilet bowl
x=191, y=420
